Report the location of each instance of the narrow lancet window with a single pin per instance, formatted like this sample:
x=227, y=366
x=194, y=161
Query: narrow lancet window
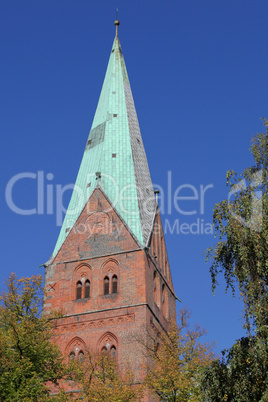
x=113, y=352
x=106, y=285
x=164, y=301
x=155, y=290
x=87, y=289
x=72, y=356
x=81, y=356
x=114, y=283
x=79, y=290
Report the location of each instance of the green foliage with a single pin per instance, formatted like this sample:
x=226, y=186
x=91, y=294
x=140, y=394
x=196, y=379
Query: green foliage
x=241, y=223
x=100, y=379
x=27, y=357
x=240, y=375
x=177, y=360
x=241, y=254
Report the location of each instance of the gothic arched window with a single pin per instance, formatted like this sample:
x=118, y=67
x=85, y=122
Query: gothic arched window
x=163, y=295
x=164, y=301
x=113, y=351
x=87, y=289
x=155, y=289
x=114, y=284
x=106, y=285
x=81, y=356
x=79, y=290
x=108, y=345
x=72, y=356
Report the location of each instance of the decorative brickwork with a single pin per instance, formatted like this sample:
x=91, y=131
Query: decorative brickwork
x=144, y=290
x=109, y=272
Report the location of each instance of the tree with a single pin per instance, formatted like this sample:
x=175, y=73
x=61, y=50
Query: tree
x=241, y=223
x=177, y=359
x=28, y=360
x=241, y=254
x=100, y=379
x=240, y=374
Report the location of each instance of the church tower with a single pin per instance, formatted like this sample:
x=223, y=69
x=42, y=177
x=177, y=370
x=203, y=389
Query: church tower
x=109, y=270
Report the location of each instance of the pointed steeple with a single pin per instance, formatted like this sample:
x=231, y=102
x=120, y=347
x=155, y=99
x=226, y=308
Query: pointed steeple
x=114, y=157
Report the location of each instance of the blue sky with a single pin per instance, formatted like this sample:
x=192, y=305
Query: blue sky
x=198, y=72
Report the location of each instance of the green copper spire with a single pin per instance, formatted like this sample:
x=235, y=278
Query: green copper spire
x=114, y=157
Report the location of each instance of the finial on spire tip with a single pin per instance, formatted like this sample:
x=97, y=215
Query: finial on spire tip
x=116, y=23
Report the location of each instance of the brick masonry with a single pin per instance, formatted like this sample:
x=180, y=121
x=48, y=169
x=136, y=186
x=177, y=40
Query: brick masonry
x=100, y=246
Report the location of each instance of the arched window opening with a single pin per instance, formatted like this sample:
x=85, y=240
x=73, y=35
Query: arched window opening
x=165, y=301
x=87, y=289
x=163, y=295
x=81, y=356
x=113, y=352
x=79, y=290
x=104, y=350
x=72, y=356
x=106, y=285
x=114, y=282
x=155, y=290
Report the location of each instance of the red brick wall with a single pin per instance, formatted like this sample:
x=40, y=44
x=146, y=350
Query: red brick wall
x=98, y=246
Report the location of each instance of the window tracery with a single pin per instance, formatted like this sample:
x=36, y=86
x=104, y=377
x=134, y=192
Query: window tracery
x=108, y=345
x=82, y=279
x=110, y=271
